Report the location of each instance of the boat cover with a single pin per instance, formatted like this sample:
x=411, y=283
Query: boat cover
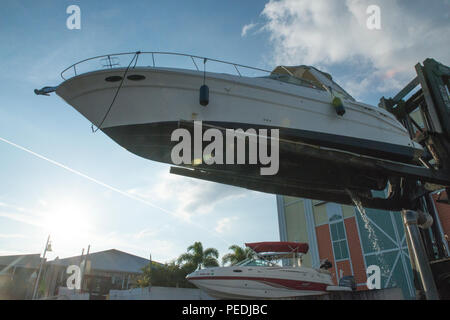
x=278, y=246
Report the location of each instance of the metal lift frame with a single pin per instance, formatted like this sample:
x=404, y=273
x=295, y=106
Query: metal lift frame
x=429, y=255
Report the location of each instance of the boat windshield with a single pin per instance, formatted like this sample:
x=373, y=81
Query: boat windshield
x=310, y=77
x=293, y=80
x=256, y=262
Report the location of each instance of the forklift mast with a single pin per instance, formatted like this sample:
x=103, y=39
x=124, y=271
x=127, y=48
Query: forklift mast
x=426, y=112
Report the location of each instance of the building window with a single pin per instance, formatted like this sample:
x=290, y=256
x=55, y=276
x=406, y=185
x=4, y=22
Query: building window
x=339, y=240
x=337, y=230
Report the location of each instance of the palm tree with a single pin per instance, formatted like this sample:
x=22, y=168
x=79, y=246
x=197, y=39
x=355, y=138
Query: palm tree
x=239, y=254
x=198, y=258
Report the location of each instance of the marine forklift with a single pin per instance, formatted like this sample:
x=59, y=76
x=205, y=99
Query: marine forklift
x=423, y=107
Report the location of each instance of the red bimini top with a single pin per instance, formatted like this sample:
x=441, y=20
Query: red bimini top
x=278, y=246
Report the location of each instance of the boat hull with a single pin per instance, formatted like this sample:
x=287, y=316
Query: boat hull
x=257, y=289
x=297, y=163
x=153, y=140
x=166, y=96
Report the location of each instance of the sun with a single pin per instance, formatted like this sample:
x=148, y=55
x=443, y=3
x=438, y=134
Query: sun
x=67, y=219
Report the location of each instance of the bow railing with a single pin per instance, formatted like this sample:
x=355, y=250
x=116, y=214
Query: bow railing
x=158, y=59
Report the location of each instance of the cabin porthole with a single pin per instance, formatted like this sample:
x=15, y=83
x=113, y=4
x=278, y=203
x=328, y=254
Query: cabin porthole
x=136, y=77
x=113, y=78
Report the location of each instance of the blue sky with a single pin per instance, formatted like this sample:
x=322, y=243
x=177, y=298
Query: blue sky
x=140, y=208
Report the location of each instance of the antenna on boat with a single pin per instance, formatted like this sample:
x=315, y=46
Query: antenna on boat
x=204, y=69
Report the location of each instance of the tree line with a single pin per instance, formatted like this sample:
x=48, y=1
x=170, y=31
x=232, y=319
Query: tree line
x=173, y=274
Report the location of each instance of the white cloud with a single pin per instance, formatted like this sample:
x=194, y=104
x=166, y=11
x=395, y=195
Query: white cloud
x=247, y=28
x=326, y=33
x=12, y=252
x=12, y=235
x=225, y=224
x=155, y=231
x=22, y=218
x=146, y=233
x=164, y=250
x=190, y=197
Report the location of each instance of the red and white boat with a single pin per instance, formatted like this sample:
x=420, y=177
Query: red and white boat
x=259, y=277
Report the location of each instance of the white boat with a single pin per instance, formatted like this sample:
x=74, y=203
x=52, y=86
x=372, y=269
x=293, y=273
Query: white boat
x=140, y=106
x=259, y=277
x=152, y=101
